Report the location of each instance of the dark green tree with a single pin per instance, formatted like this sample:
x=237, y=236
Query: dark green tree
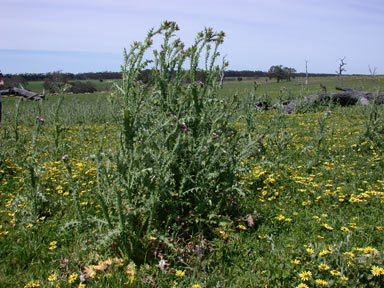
x=281, y=73
x=55, y=81
x=289, y=73
x=277, y=72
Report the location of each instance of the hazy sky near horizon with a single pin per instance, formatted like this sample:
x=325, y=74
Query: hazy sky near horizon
x=39, y=36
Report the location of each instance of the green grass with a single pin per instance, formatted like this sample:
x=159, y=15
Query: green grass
x=270, y=88
x=296, y=88
x=315, y=197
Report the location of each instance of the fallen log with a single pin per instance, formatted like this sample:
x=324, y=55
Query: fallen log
x=27, y=95
x=346, y=98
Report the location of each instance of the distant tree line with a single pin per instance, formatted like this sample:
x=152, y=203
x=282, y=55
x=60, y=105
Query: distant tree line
x=245, y=73
x=259, y=74
x=58, y=79
x=145, y=75
x=302, y=74
x=69, y=76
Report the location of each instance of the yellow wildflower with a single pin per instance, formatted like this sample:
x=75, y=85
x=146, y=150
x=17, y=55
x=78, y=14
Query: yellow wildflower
x=324, y=252
x=33, y=284
x=321, y=282
x=352, y=225
x=93, y=274
x=335, y=273
x=369, y=250
x=73, y=277
x=305, y=275
x=242, y=227
x=345, y=229
x=310, y=251
x=280, y=218
x=326, y=226
x=350, y=254
x=377, y=271
x=323, y=267
x=344, y=278
x=52, y=278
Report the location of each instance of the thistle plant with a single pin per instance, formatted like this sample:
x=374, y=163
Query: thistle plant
x=279, y=137
x=373, y=129
x=16, y=122
x=320, y=145
x=34, y=192
x=250, y=109
x=175, y=167
x=75, y=191
x=57, y=123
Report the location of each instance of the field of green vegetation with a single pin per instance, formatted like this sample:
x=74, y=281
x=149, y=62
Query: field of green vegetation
x=189, y=185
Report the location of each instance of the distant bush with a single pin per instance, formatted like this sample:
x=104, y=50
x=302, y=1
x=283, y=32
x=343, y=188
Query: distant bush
x=55, y=81
x=11, y=81
x=82, y=87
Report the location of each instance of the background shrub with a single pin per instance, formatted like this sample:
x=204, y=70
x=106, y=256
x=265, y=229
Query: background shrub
x=56, y=81
x=79, y=87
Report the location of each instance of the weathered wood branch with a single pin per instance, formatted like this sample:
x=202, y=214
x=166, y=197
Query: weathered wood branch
x=27, y=95
x=346, y=98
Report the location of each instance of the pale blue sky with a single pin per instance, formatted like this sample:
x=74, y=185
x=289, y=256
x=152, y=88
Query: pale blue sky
x=89, y=36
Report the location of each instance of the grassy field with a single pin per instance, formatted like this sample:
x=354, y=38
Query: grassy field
x=312, y=204
x=296, y=88
x=265, y=86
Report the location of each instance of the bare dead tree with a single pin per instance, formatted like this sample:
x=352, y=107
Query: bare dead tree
x=372, y=72
x=306, y=73
x=341, y=70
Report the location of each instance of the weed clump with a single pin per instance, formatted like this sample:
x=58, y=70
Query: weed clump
x=178, y=152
